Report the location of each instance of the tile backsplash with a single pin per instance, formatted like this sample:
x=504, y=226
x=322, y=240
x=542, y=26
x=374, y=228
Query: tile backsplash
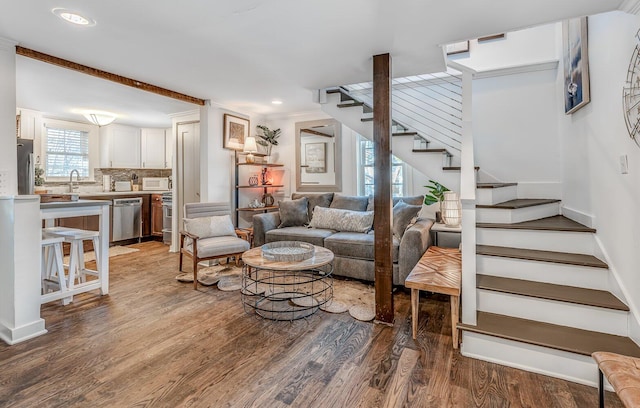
x=94, y=186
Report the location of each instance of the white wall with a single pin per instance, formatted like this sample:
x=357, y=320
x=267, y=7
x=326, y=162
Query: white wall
x=593, y=139
x=8, y=155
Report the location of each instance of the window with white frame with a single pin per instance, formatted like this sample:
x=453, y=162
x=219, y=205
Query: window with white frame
x=66, y=150
x=366, y=162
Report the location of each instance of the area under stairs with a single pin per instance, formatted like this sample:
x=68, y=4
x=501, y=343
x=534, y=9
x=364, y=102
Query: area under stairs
x=544, y=299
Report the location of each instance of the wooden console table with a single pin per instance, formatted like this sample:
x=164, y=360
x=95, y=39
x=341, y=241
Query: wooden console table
x=439, y=270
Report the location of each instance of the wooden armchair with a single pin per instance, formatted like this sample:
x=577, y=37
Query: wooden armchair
x=216, y=237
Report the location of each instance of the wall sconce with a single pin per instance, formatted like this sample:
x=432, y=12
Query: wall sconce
x=250, y=147
x=451, y=211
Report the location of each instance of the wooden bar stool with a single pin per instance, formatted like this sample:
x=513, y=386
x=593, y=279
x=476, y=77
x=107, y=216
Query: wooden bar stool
x=52, y=270
x=76, y=237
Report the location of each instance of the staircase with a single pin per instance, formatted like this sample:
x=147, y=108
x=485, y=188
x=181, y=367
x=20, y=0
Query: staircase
x=544, y=300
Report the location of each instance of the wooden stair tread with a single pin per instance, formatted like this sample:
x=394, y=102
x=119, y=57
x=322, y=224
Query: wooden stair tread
x=495, y=185
x=349, y=104
x=555, y=223
x=519, y=203
x=549, y=335
x=542, y=256
x=457, y=168
x=549, y=291
x=431, y=151
x=369, y=119
x=405, y=134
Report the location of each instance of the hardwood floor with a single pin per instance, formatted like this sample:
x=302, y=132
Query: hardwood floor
x=156, y=342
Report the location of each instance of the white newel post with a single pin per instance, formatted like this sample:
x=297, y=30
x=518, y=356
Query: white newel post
x=20, y=269
x=468, y=202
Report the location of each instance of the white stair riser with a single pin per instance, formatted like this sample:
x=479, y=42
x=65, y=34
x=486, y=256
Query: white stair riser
x=491, y=196
x=511, y=216
x=554, y=312
x=555, y=363
x=558, y=241
x=549, y=272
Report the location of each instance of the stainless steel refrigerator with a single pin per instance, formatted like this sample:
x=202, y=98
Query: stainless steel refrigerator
x=26, y=167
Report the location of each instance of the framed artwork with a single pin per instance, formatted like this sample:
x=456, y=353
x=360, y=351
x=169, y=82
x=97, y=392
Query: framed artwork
x=575, y=58
x=457, y=48
x=315, y=157
x=236, y=130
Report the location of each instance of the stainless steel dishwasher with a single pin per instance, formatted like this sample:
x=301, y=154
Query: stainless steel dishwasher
x=127, y=218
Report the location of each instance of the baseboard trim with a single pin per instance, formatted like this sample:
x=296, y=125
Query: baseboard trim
x=578, y=216
x=23, y=333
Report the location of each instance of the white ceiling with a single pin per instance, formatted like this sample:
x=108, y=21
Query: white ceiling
x=244, y=53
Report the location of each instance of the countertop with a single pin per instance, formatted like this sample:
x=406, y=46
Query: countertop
x=71, y=204
x=120, y=193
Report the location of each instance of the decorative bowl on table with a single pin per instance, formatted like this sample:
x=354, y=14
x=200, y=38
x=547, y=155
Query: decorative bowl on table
x=287, y=251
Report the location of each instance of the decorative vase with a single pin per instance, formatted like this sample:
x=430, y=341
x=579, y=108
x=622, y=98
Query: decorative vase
x=253, y=180
x=451, y=211
x=268, y=199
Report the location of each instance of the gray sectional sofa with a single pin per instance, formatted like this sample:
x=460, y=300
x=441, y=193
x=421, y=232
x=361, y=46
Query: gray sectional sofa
x=354, y=251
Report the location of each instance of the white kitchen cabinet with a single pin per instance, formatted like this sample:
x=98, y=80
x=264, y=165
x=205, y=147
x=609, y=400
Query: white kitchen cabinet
x=124, y=146
x=170, y=142
x=30, y=124
x=153, y=149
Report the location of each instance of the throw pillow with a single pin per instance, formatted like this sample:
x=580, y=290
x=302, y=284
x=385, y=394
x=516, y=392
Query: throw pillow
x=354, y=203
x=429, y=211
x=293, y=213
x=315, y=199
x=207, y=227
x=342, y=220
x=403, y=214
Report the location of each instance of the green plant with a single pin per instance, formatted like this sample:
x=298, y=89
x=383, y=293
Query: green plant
x=436, y=192
x=38, y=180
x=268, y=138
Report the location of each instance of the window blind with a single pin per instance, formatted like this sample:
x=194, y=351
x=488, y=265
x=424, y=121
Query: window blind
x=67, y=150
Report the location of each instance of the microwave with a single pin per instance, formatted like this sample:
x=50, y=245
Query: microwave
x=155, y=183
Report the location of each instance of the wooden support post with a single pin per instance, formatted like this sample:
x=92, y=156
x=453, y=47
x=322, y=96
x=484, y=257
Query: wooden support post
x=382, y=197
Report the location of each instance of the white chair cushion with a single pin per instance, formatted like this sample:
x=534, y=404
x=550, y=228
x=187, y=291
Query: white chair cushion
x=218, y=246
x=206, y=227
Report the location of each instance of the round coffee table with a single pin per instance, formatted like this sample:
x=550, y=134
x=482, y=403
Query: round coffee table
x=286, y=290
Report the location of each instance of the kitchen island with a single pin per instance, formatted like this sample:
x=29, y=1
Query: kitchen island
x=65, y=209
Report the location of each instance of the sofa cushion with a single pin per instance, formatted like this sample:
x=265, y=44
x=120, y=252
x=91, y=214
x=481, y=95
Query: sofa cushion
x=311, y=235
x=206, y=227
x=293, y=213
x=342, y=220
x=403, y=215
x=315, y=199
x=215, y=246
x=413, y=200
x=353, y=203
x=356, y=245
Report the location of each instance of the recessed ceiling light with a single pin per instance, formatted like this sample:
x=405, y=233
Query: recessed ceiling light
x=276, y=102
x=73, y=17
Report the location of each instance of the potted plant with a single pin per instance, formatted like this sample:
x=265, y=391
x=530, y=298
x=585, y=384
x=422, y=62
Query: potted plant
x=268, y=138
x=435, y=195
x=38, y=179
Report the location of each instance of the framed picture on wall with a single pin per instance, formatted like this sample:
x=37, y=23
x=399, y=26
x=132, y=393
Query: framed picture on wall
x=236, y=130
x=575, y=58
x=315, y=156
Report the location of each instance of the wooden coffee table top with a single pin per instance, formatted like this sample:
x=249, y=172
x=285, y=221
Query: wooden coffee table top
x=253, y=257
x=438, y=270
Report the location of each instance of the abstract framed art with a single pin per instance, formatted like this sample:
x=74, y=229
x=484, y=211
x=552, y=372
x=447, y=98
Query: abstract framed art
x=575, y=58
x=236, y=131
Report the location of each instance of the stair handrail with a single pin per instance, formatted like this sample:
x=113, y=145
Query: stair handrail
x=467, y=198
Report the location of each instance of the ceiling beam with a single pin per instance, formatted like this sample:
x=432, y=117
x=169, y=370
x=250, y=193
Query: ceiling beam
x=119, y=79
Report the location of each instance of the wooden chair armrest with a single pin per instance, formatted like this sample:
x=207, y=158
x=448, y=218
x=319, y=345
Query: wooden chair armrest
x=243, y=234
x=190, y=235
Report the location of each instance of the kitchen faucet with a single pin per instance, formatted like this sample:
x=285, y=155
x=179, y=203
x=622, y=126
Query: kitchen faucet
x=71, y=187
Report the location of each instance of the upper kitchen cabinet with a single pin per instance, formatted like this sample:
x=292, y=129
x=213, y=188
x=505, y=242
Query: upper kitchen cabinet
x=120, y=147
x=29, y=124
x=153, y=149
